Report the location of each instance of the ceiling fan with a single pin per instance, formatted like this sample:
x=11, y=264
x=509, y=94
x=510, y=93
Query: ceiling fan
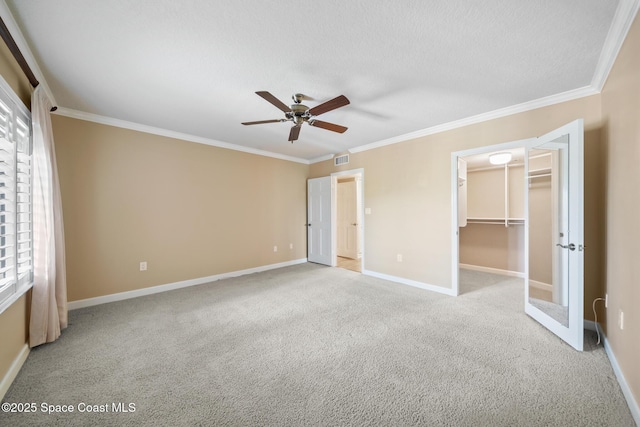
x=299, y=113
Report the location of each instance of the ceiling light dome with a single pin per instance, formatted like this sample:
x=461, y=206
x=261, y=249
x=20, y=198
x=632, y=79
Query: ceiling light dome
x=500, y=158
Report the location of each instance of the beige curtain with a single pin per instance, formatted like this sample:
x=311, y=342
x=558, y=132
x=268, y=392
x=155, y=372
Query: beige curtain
x=49, y=294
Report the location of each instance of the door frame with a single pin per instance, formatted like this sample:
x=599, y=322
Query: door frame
x=358, y=173
x=455, y=238
x=573, y=333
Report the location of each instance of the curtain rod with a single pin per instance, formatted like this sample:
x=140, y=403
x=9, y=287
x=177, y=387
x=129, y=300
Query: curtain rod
x=13, y=47
x=15, y=50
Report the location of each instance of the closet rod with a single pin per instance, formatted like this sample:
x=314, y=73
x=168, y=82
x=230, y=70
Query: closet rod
x=539, y=176
x=15, y=51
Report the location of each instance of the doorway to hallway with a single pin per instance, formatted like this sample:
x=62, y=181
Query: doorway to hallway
x=335, y=220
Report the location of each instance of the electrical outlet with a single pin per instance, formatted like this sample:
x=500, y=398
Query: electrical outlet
x=399, y=257
x=621, y=319
x=275, y=249
x=606, y=300
x=143, y=266
x=290, y=245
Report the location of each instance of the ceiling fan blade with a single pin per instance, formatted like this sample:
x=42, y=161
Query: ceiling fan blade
x=275, y=101
x=328, y=126
x=295, y=131
x=332, y=104
x=263, y=121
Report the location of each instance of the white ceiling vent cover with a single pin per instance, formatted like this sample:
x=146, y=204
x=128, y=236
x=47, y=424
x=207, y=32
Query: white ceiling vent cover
x=341, y=160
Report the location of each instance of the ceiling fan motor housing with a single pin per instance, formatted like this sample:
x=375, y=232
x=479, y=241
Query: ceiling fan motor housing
x=299, y=109
x=299, y=113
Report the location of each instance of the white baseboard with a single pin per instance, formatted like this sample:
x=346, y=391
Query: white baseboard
x=541, y=285
x=624, y=386
x=74, y=305
x=509, y=273
x=12, y=373
x=414, y=283
x=590, y=325
x=626, y=390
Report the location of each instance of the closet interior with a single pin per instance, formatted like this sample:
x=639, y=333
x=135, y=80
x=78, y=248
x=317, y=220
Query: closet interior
x=491, y=212
x=491, y=216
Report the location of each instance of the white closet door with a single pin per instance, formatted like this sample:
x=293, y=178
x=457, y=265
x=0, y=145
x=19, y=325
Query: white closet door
x=554, y=290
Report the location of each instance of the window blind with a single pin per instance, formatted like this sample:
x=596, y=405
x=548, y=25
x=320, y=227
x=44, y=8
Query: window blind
x=16, y=217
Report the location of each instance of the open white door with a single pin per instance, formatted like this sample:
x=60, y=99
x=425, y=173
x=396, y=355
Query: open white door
x=554, y=236
x=347, y=220
x=319, y=242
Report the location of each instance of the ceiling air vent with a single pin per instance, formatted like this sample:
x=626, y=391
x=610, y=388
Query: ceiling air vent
x=341, y=160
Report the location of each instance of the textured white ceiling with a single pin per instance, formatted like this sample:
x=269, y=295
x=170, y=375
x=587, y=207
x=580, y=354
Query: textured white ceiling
x=192, y=66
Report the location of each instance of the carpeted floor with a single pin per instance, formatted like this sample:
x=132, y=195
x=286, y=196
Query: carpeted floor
x=312, y=345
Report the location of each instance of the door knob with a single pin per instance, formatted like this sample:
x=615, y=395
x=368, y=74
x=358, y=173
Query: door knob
x=355, y=223
x=570, y=246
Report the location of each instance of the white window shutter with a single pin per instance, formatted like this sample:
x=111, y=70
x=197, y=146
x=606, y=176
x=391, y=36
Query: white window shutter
x=16, y=218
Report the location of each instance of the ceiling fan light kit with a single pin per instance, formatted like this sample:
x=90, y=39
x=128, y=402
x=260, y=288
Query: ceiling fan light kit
x=299, y=113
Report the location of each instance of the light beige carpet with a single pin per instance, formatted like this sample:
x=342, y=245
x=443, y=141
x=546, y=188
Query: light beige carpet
x=311, y=345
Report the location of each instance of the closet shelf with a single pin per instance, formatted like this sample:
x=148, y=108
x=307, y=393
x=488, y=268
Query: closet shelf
x=497, y=221
x=539, y=170
x=539, y=173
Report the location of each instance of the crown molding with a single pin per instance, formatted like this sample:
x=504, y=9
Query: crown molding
x=322, y=158
x=622, y=20
x=96, y=118
x=496, y=114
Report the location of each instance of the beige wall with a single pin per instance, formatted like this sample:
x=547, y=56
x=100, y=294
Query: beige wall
x=13, y=75
x=621, y=151
x=189, y=210
x=408, y=188
x=13, y=321
x=493, y=246
x=14, y=332
x=485, y=193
